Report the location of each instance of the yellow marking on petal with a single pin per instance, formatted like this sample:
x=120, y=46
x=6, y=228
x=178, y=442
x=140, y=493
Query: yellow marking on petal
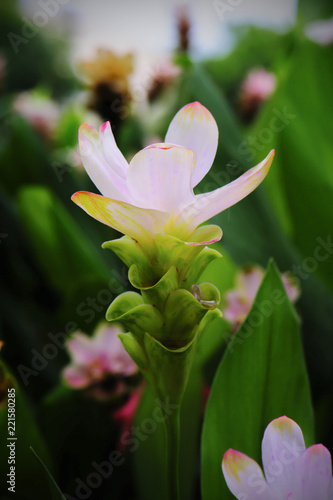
x=234, y=463
x=317, y=449
x=283, y=424
x=196, y=109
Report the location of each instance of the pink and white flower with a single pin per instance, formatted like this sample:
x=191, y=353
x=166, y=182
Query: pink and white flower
x=96, y=358
x=292, y=471
x=153, y=194
x=239, y=300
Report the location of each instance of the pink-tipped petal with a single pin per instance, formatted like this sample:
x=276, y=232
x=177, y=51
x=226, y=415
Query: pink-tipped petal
x=195, y=128
x=111, y=151
x=205, y=235
x=135, y=222
x=244, y=477
x=282, y=445
x=103, y=161
x=313, y=474
x=207, y=205
x=159, y=177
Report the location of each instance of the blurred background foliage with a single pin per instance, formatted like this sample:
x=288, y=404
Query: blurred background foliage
x=56, y=279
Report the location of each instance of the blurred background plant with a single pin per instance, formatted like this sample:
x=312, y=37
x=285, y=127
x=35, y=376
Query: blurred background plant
x=268, y=86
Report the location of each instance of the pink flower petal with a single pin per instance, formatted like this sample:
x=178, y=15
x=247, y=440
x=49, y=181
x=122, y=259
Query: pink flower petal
x=111, y=350
x=236, y=308
x=159, y=177
x=282, y=445
x=291, y=285
x=77, y=377
x=330, y=491
x=111, y=152
x=103, y=161
x=244, y=477
x=249, y=281
x=81, y=349
x=195, y=128
x=314, y=473
x=207, y=205
x=140, y=224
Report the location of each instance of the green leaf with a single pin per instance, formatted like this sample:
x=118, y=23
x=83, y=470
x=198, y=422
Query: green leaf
x=261, y=377
x=310, y=11
x=55, y=491
x=61, y=248
x=303, y=167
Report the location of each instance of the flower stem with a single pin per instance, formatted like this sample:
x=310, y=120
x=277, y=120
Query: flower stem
x=172, y=428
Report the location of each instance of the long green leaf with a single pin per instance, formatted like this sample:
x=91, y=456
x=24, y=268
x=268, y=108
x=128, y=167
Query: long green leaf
x=262, y=376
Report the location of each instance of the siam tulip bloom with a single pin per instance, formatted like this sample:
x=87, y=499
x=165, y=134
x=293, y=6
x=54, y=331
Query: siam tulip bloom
x=108, y=78
x=292, y=471
x=238, y=301
x=153, y=194
x=97, y=359
x=41, y=112
x=257, y=87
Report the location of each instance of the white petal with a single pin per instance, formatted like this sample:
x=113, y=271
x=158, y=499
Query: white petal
x=103, y=161
x=159, y=177
x=111, y=151
x=195, y=128
x=138, y=223
x=244, y=477
x=207, y=205
x=330, y=491
x=314, y=474
x=282, y=445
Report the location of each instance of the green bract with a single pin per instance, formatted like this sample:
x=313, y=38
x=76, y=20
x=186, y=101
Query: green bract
x=164, y=320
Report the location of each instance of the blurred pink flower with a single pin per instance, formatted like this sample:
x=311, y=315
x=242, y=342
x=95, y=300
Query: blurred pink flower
x=258, y=85
x=238, y=301
x=41, y=112
x=292, y=471
x=96, y=358
x=165, y=74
